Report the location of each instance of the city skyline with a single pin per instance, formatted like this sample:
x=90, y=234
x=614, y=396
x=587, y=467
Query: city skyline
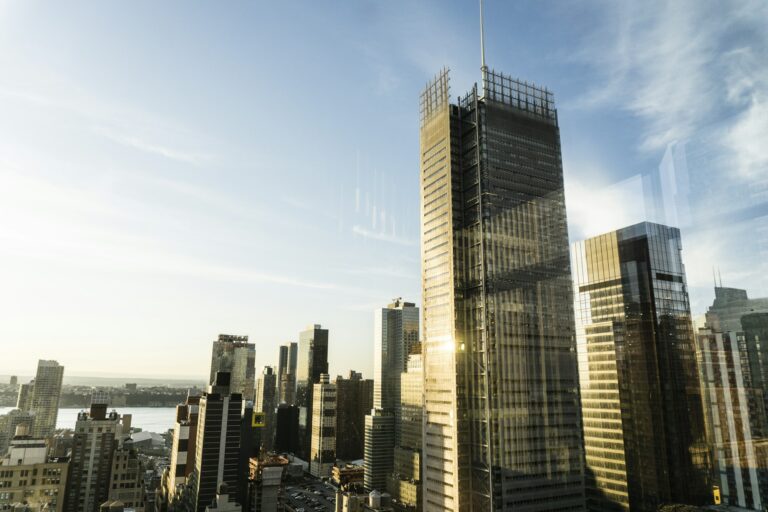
x=167, y=217
x=248, y=197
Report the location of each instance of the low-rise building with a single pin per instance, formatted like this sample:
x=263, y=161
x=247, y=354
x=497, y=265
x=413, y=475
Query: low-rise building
x=127, y=477
x=349, y=475
x=28, y=476
x=266, y=483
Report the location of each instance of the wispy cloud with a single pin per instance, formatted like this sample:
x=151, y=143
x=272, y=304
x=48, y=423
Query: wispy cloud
x=139, y=144
x=131, y=128
x=668, y=62
x=384, y=271
x=381, y=236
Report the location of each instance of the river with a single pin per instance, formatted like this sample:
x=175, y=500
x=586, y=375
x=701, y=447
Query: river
x=150, y=419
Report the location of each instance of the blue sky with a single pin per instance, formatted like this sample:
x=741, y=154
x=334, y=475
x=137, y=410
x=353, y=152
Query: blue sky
x=170, y=171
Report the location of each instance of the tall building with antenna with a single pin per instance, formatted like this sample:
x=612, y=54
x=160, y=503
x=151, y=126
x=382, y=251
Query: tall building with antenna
x=502, y=421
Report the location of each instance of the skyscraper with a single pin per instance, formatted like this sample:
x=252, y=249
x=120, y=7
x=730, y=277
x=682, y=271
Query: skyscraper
x=266, y=402
x=183, y=449
x=735, y=411
x=217, y=458
x=282, y=369
x=323, y=445
x=234, y=355
x=286, y=374
x=404, y=483
x=644, y=430
x=44, y=400
x=733, y=311
x=287, y=429
x=312, y=361
x=96, y=436
x=396, y=333
x=354, y=399
x=729, y=306
x=24, y=397
x=755, y=327
x=379, y=440
x=502, y=426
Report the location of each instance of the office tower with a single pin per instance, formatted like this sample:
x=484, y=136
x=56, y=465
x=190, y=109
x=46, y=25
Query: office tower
x=729, y=306
x=218, y=441
x=127, y=476
x=404, y=483
x=323, y=444
x=379, y=440
x=354, y=399
x=252, y=426
x=9, y=422
x=501, y=383
x=287, y=429
x=755, y=326
x=312, y=361
x=282, y=370
x=183, y=449
x=736, y=419
x=44, y=400
x=644, y=431
x=266, y=402
x=396, y=333
x=24, y=398
x=95, y=439
x=28, y=475
x=234, y=355
x=733, y=311
x=286, y=373
x=266, y=483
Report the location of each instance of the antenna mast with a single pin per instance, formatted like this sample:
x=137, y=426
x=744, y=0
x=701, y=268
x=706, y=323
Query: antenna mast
x=483, y=67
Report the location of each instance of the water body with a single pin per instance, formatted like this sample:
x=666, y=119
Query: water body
x=150, y=419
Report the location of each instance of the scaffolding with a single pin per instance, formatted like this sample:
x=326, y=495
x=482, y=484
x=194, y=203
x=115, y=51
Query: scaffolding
x=521, y=95
x=435, y=95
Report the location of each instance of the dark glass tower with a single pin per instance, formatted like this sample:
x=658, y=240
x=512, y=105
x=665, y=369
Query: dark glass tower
x=354, y=399
x=312, y=361
x=217, y=457
x=502, y=428
x=644, y=430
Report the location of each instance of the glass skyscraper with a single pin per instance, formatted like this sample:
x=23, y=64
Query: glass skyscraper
x=286, y=373
x=312, y=362
x=644, y=430
x=234, y=355
x=502, y=425
x=396, y=332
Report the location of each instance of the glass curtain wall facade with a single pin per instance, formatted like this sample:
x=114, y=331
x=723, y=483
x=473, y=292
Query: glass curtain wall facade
x=735, y=414
x=234, y=355
x=502, y=426
x=644, y=431
x=396, y=335
x=286, y=373
x=312, y=361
